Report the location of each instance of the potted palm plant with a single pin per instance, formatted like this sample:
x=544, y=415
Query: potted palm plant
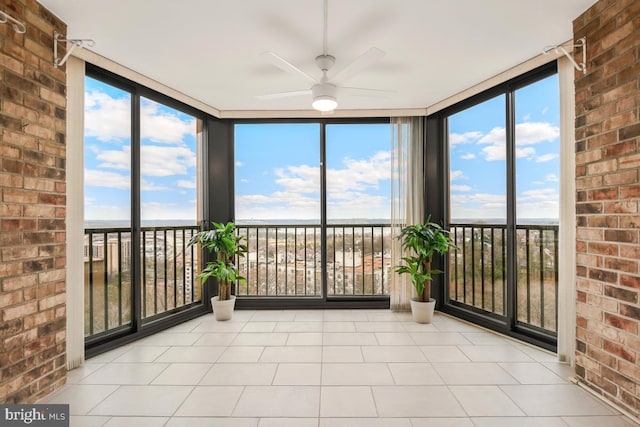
x=420, y=242
x=225, y=245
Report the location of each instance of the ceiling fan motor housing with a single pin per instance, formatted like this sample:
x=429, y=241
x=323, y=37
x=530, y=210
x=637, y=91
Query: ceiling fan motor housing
x=325, y=62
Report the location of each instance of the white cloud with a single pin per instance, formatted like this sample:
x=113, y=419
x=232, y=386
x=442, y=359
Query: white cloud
x=528, y=133
x=539, y=203
x=461, y=188
x=109, y=120
x=552, y=177
x=160, y=125
x=244, y=180
x=545, y=110
x=463, y=138
x=105, y=118
x=156, y=160
x=239, y=164
x=182, y=183
x=468, y=156
x=457, y=174
x=546, y=157
x=526, y=117
x=98, y=178
x=299, y=194
x=150, y=186
x=478, y=206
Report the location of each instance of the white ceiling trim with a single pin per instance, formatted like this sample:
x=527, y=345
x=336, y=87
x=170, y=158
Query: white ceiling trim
x=109, y=65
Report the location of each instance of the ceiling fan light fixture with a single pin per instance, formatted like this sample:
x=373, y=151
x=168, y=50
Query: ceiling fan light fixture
x=324, y=97
x=324, y=103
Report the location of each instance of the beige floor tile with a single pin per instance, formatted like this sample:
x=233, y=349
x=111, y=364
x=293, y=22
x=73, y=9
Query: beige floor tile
x=347, y=402
x=273, y=316
x=170, y=339
x=203, y=354
x=416, y=401
x=302, y=354
x=445, y=353
x=309, y=315
x=141, y=354
x=356, y=374
x=299, y=326
x=259, y=327
x=394, y=338
x=81, y=398
x=365, y=422
x=305, y=338
x=182, y=374
x=472, y=373
x=485, y=401
x=149, y=401
x=241, y=354
x=392, y=354
x=379, y=327
x=78, y=374
x=260, y=339
x=297, y=374
x=439, y=338
x=210, y=401
x=216, y=339
x=341, y=353
x=555, y=400
x=355, y=338
x=599, y=421
x=212, y=422
x=338, y=327
x=279, y=401
x=414, y=374
x=215, y=326
x=86, y=421
x=532, y=373
x=494, y=353
x=240, y=374
x=136, y=422
x=522, y=422
x=288, y=422
x=441, y=422
x=126, y=373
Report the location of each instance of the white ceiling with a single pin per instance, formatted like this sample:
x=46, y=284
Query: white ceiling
x=211, y=50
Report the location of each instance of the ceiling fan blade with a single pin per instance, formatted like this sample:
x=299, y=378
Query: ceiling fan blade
x=287, y=66
x=285, y=94
x=363, y=61
x=365, y=92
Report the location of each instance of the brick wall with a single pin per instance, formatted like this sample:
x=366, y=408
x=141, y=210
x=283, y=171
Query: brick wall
x=32, y=206
x=608, y=199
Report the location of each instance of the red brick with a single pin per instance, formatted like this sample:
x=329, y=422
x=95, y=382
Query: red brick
x=630, y=281
x=621, y=323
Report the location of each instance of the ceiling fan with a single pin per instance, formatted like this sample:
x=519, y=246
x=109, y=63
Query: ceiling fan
x=324, y=91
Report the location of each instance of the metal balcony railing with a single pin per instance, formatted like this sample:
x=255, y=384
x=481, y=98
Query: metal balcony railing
x=168, y=274
x=478, y=271
x=286, y=260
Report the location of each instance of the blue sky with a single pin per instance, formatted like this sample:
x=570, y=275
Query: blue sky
x=477, y=156
x=168, y=158
x=277, y=166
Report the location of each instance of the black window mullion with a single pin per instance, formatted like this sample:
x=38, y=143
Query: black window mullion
x=512, y=256
x=323, y=207
x=136, y=256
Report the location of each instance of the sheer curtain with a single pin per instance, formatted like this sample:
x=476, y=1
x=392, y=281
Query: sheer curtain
x=407, y=196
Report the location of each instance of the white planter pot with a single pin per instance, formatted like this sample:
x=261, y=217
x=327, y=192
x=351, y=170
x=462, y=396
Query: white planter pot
x=223, y=310
x=422, y=311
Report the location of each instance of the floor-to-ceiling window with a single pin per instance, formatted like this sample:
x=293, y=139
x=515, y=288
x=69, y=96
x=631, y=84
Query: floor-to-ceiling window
x=312, y=199
x=503, y=150
x=142, y=204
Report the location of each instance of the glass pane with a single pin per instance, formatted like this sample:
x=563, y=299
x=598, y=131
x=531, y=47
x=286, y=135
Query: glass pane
x=537, y=201
x=277, y=204
x=107, y=207
x=358, y=208
x=477, y=174
x=169, y=206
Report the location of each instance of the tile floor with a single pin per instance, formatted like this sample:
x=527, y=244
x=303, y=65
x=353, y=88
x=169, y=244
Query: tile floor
x=329, y=369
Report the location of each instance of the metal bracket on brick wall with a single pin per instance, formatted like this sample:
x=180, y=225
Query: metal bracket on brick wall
x=71, y=45
x=18, y=26
x=580, y=43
